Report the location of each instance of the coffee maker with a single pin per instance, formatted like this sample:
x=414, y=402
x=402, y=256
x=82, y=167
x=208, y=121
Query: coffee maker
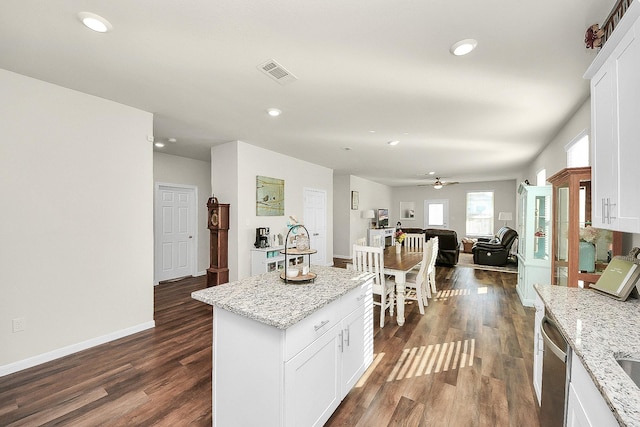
x=262, y=237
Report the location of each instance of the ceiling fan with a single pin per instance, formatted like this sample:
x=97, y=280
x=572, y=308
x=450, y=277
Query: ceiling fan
x=438, y=184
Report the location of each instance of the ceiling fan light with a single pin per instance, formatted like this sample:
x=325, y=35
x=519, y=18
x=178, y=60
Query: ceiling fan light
x=437, y=185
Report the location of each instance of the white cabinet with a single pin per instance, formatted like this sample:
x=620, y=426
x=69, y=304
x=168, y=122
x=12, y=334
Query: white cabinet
x=538, y=348
x=534, y=240
x=295, y=377
x=615, y=107
x=586, y=407
x=264, y=260
x=386, y=236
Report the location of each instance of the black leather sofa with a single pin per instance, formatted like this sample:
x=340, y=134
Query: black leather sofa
x=448, y=245
x=495, y=251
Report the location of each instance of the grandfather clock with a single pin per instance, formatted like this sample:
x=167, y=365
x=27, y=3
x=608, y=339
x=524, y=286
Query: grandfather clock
x=218, y=224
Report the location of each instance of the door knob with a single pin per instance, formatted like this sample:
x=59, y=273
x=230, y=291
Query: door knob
x=316, y=234
x=191, y=237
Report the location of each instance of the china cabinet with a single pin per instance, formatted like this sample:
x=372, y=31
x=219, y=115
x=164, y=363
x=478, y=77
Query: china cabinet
x=534, y=240
x=571, y=214
x=615, y=91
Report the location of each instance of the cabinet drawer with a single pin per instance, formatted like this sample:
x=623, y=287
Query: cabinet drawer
x=355, y=299
x=308, y=330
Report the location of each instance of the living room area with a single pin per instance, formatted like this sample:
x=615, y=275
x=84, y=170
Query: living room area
x=450, y=202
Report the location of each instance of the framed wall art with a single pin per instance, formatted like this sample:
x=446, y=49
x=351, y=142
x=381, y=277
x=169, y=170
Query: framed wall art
x=355, y=200
x=269, y=196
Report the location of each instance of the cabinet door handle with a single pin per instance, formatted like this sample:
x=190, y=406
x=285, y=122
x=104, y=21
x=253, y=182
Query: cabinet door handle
x=320, y=325
x=346, y=336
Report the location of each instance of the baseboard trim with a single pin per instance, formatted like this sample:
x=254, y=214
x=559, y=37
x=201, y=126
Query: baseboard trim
x=73, y=348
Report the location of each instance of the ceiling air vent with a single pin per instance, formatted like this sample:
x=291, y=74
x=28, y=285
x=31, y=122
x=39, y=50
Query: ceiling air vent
x=277, y=72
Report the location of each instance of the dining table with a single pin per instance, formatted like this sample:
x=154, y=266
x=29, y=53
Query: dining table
x=398, y=264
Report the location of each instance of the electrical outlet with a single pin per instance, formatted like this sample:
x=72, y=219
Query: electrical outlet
x=19, y=324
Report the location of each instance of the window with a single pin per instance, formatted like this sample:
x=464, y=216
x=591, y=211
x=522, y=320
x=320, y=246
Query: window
x=480, y=213
x=578, y=151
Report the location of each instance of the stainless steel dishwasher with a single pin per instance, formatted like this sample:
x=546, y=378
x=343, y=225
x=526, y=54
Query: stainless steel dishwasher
x=554, y=375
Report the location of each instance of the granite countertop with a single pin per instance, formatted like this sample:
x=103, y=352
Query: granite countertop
x=267, y=299
x=600, y=329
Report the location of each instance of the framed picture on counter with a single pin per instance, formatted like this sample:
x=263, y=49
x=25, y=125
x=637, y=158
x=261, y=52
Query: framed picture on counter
x=355, y=200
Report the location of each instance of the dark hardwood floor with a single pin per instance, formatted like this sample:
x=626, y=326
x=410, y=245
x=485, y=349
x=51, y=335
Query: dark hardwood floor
x=466, y=362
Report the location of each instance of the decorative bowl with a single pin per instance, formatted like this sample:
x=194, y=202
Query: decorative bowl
x=292, y=272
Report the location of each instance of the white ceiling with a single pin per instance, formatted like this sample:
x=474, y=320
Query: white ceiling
x=362, y=65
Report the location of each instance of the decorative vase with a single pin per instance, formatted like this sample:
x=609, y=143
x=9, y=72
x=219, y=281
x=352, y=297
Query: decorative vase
x=398, y=248
x=587, y=259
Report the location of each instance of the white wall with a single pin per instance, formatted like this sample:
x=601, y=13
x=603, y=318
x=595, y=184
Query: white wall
x=77, y=228
x=342, y=234
x=170, y=169
x=235, y=166
x=504, y=201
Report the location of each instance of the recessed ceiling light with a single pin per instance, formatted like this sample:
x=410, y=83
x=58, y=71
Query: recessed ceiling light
x=95, y=22
x=159, y=144
x=372, y=131
x=274, y=112
x=396, y=142
x=347, y=148
x=463, y=47
x=172, y=140
x=432, y=173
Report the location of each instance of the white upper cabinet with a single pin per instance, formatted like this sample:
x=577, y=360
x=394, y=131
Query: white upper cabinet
x=615, y=127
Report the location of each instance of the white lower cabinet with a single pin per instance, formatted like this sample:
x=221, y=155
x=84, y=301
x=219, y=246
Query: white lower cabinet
x=296, y=377
x=586, y=407
x=538, y=348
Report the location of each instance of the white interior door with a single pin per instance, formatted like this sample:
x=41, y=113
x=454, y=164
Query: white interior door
x=436, y=213
x=315, y=220
x=175, y=219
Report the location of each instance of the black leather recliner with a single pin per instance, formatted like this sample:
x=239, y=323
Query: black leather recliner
x=495, y=251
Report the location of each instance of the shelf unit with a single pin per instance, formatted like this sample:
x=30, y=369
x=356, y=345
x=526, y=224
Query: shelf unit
x=572, y=211
x=264, y=260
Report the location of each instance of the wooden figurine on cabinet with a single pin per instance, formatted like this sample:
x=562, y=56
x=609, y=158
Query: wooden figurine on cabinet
x=218, y=224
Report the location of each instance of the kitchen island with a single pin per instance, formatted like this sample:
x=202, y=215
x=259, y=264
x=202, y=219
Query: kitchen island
x=286, y=354
x=599, y=329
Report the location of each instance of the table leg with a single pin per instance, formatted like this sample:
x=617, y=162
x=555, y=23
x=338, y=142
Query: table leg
x=401, y=279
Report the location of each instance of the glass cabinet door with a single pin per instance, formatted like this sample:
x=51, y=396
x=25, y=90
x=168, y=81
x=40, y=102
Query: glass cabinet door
x=541, y=244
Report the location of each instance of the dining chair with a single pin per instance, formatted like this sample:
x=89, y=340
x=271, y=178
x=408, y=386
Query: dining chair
x=377, y=241
x=362, y=241
x=417, y=284
x=432, y=264
x=414, y=241
x=371, y=259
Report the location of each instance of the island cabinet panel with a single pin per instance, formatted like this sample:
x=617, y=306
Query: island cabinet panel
x=298, y=376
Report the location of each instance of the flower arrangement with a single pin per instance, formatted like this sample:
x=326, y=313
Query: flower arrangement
x=399, y=236
x=589, y=234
